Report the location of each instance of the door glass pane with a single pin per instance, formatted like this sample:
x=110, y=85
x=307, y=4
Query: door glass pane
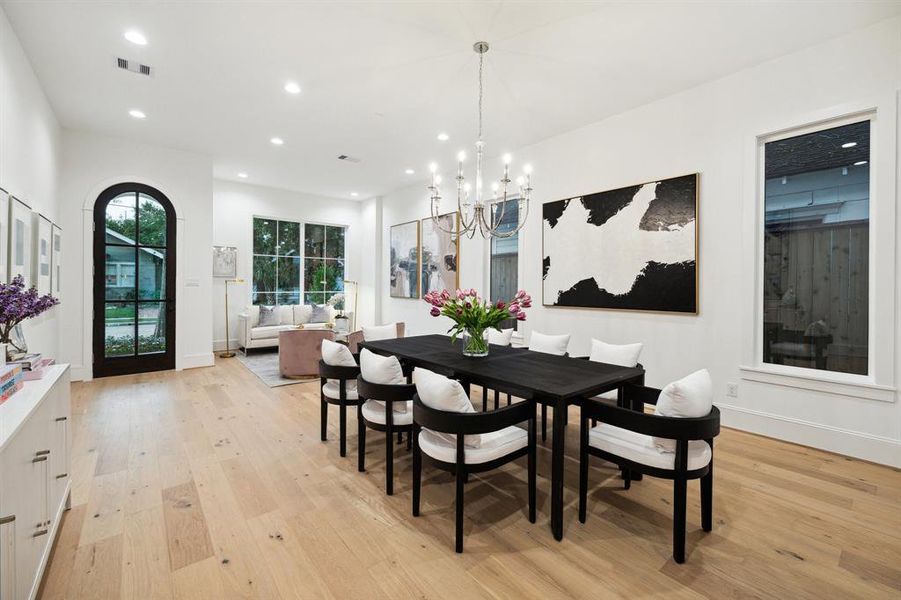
x=151, y=222
x=288, y=238
x=151, y=327
x=314, y=240
x=119, y=329
x=264, y=235
x=816, y=250
x=334, y=242
x=288, y=274
x=314, y=275
x=504, y=264
x=152, y=274
x=120, y=219
x=120, y=273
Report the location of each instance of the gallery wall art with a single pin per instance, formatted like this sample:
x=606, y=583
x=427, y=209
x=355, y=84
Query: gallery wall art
x=633, y=248
x=20, y=240
x=4, y=236
x=42, y=250
x=403, y=267
x=225, y=261
x=56, y=260
x=440, y=254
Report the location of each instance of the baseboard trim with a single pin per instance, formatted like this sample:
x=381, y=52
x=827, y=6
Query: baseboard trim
x=193, y=361
x=80, y=373
x=874, y=448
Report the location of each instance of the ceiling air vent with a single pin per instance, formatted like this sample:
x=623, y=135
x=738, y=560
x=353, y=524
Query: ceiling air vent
x=134, y=66
x=345, y=157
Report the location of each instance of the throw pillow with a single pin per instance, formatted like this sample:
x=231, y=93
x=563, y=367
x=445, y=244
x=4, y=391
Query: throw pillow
x=268, y=315
x=549, y=344
x=689, y=397
x=624, y=355
x=442, y=393
x=380, y=332
x=500, y=337
x=320, y=313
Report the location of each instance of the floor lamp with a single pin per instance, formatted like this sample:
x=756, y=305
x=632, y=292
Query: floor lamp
x=228, y=351
x=353, y=324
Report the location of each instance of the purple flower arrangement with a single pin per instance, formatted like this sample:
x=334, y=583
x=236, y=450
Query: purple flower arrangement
x=472, y=315
x=18, y=304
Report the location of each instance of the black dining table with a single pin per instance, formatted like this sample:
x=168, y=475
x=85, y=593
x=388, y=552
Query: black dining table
x=556, y=381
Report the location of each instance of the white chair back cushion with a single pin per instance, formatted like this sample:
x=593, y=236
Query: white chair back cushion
x=500, y=337
x=549, y=344
x=442, y=393
x=624, y=355
x=689, y=397
x=384, y=370
x=337, y=355
x=379, y=332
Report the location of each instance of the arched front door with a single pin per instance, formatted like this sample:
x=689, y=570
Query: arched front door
x=134, y=281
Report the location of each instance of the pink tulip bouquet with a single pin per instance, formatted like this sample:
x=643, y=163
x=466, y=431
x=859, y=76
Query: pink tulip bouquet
x=472, y=315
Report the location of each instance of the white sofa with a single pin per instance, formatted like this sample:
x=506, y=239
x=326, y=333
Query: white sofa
x=252, y=335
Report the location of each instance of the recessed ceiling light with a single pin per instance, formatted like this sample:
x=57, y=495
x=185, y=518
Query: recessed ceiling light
x=136, y=37
x=292, y=87
x=849, y=144
x=409, y=171
x=277, y=141
x=354, y=194
x=443, y=137
x=242, y=175
x=137, y=114
x=860, y=163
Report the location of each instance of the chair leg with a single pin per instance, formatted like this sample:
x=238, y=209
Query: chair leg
x=361, y=443
x=323, y=414
x=508, y=399
x=389, y=462
x=627, y=479
x=707, y=500
x=544, y=422
x=417, y=475
x=484, y=399
x=461, y=474
x=343, y=427
x=679, y=491
x=532, y=469
x=400, y=437
x=409, y=440
x=497, y=399
x=583, y=469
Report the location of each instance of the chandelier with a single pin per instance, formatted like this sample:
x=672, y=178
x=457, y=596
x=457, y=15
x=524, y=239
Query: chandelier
x=472, y=204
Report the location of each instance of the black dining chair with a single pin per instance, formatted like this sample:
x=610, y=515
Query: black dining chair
x=338, y=387
x=382, y=417
x=501, y=443
x=626, y=437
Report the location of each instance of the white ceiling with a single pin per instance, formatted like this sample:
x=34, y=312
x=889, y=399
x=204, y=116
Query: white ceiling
x=381, y=79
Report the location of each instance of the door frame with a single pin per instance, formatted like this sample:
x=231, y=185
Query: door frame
x=101, y=365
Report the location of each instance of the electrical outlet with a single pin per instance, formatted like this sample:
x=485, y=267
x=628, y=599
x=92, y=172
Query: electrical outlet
x=732, y=390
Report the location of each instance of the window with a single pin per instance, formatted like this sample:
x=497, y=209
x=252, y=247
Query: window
x=287, y=266
x=816, y=249
x=504, y=267
x=323, y=252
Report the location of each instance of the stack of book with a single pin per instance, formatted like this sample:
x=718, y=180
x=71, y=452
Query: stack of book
x=27, y=362
x=11, y=381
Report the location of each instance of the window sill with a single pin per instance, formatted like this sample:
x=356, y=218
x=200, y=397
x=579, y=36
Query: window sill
x=833, y=383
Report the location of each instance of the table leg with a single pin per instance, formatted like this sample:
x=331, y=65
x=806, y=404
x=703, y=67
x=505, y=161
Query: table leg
x=557, y=453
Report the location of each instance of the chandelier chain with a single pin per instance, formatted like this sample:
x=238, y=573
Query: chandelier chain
x=481, y=60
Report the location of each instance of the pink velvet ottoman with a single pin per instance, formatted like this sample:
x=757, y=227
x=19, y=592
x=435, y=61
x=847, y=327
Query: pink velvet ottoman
x=299, y=351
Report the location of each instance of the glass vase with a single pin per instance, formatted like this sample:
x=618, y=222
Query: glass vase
x=474, y=343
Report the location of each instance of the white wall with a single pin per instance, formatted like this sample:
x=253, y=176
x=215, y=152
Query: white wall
x=29, y=157
x=709, y=130
x=234, y=206
x=90, y=164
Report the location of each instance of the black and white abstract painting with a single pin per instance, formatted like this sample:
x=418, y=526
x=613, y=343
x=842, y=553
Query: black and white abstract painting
x=634, y=248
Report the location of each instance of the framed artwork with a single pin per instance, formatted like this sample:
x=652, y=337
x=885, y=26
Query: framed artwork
x=404, y=264
x=42, y=250
x=4, y=236
x=633, y=248
x=225, y=261
x=20, y=241
x=440, y=254
x=55, y=257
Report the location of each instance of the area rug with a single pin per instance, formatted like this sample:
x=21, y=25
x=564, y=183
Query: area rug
x=264, y=364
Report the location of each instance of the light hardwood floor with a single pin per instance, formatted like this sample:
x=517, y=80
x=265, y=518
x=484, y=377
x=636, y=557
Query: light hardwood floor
x=208, y=484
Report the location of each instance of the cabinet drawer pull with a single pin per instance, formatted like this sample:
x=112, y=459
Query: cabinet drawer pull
x=42, y=452
x=58, y=419
x=7, y=520
x=39, y=459
x=61, y=475
x=41, y=532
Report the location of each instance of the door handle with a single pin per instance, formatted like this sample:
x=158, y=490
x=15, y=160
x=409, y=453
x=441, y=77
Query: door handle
x=58, y=419
x=39, y=459
x=42, y=452
x=7, y=520
x=41, y=532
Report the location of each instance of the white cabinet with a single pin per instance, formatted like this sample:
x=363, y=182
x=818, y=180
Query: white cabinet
x=34, y=480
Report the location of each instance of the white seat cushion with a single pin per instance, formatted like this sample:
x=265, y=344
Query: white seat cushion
x=380, y=332
x=549, y=344
x=500, y=337
x=332, y=389
x=642, y=449
x=493, y=445
x=624, y=355
x=268, y=332
x=611, y=395
x=374, y=412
